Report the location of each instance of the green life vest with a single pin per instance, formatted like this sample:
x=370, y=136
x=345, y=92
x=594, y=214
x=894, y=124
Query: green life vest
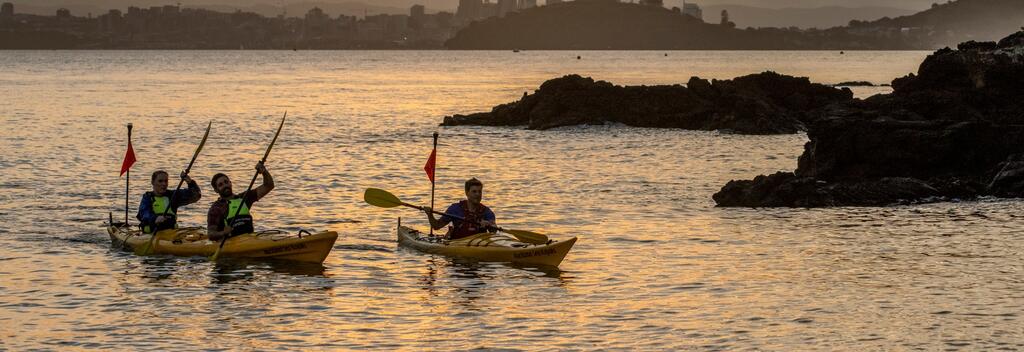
x=161, y=204
x=238, y=217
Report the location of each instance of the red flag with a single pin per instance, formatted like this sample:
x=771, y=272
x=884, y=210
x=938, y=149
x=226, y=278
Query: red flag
x=129, y=159
x=429, y=168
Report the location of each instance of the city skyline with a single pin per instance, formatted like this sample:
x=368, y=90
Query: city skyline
x=827, y=14
x=451, y=5
x=479, y=24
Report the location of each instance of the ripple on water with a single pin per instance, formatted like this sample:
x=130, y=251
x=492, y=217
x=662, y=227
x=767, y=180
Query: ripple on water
x=657, y=268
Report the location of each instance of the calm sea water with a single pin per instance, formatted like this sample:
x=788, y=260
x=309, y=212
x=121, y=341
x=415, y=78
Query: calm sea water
x=657, y=267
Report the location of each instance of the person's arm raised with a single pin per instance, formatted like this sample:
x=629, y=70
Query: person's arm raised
x=194, y=192
x=268, y=181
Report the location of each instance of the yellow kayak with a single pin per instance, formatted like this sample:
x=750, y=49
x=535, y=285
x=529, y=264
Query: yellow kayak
x=488, y=247
x=193, y=241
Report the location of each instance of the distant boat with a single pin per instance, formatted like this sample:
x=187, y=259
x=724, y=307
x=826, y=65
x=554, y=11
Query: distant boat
x=515, y=50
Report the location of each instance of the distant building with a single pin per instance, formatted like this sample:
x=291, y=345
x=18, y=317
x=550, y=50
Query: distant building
x=693, y=10
x=417, y=11
x=659, y=3
x=171, y=10
x=725, y=20
x=112, y=21
x=63, y=13
x=525, y=4
x=7, y=9
x=317, y=23
x=469, y=10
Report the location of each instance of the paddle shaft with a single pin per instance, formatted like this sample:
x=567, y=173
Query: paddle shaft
x=251, y=183
x=456, y=217
x=267, y=153
x=188, y=169
x=381, y=198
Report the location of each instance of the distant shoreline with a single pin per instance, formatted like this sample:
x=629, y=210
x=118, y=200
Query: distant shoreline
x=473, y=50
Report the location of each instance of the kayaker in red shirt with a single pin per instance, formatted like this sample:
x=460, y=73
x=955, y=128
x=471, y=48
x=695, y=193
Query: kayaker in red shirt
x=229, y=215
x=478, y=216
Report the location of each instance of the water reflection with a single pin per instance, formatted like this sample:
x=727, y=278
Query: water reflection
x=469, y=280
x=662, y=269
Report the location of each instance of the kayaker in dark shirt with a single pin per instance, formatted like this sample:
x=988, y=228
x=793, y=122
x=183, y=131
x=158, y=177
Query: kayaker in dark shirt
x=478, y=216
x=229, y=215
x=154, y=214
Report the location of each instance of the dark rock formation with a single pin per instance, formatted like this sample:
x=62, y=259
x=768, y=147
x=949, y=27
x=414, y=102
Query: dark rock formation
x=784, y=189
x=766, y=103
x=954, y=130
x=854, y=84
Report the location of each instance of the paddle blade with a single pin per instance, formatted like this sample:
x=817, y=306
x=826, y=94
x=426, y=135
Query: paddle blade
x=528, y=236
x=148, y=248
x=216, y=253
x=381, y=198
x=278, y=133
x=201, y=144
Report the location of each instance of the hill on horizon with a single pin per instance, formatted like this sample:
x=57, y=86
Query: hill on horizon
x=612, y=25
x=814, y=17
x=267, y=8
x=953, y=22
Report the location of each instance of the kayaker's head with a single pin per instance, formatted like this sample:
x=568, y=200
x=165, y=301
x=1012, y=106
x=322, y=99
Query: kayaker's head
x=222, y=184
x=159, y=181
x=474, y=191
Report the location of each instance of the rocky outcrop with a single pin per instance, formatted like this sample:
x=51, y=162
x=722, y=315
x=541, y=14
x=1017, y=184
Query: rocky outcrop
x=765, y=103
x=854, y=84
x=785, y=189
x=954, y=130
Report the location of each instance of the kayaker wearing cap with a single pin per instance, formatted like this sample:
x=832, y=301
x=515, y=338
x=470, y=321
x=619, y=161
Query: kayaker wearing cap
x=478, y=216
x=229, y=215
x=159, y=207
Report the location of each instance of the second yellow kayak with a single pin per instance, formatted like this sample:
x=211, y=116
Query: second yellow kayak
x=488, y=247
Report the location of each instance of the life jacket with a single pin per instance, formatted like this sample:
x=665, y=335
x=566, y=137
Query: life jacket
x=471, y=225
x=238, y=217
x=161, y=204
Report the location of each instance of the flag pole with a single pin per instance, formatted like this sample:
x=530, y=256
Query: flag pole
x=128, y=177
x=432, y=181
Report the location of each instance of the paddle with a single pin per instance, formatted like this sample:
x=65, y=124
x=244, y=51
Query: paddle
x=148, y=249
x=264, y=160
x=384, y=199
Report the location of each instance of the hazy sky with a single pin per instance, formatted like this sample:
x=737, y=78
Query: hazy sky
x=910, y=4
x=452, y=4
